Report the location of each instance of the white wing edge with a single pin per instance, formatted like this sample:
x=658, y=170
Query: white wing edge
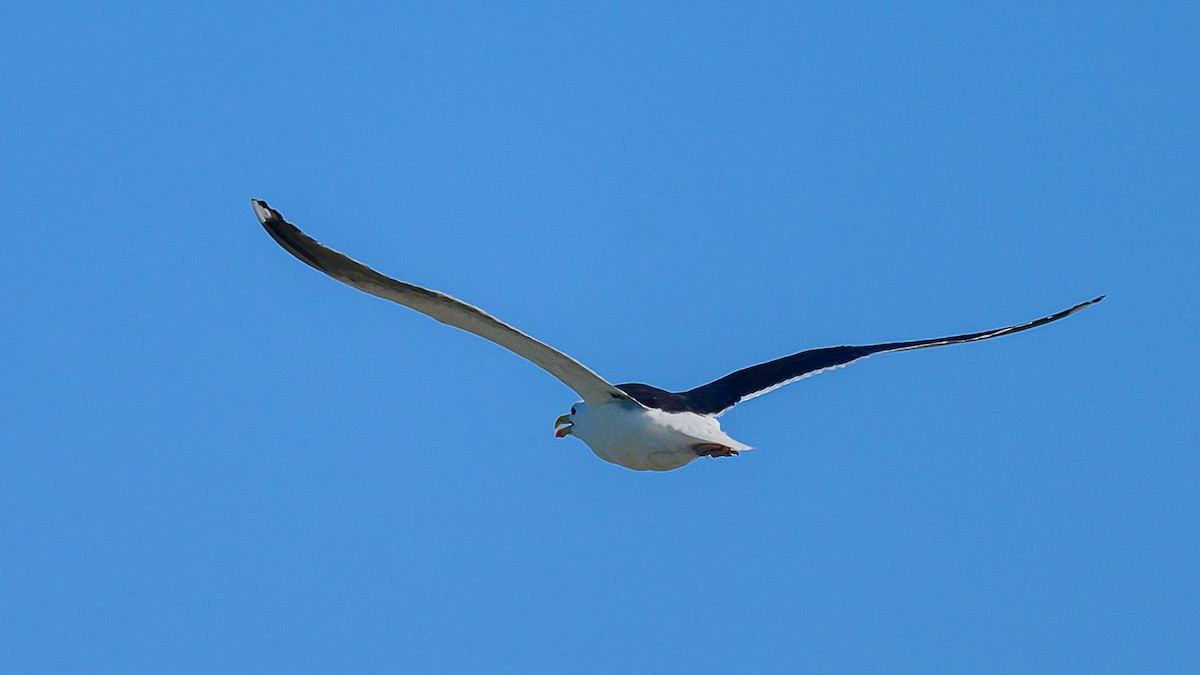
x=780, y=385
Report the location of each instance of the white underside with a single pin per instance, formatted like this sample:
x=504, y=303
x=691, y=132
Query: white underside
x=648, y=439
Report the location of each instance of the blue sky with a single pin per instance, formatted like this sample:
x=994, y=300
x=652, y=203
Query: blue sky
x=216, y=459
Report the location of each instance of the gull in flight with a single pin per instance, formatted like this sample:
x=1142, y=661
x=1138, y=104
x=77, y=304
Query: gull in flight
x=634, y=425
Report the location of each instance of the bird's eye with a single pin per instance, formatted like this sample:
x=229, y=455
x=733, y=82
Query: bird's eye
x=572, y=410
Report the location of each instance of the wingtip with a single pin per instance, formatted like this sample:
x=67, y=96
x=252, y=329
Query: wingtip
x=1082, y=305
x=262, y=211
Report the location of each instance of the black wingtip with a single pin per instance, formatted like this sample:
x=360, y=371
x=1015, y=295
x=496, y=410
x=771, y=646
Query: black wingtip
x=280, y=229
x=286, y=235
x=263, y=211
x=1068, y=312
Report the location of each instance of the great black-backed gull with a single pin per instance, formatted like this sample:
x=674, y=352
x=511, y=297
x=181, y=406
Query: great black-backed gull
x=634, y=425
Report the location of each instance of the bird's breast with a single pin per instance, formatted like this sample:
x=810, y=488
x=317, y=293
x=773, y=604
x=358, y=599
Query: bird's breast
x=647, y=439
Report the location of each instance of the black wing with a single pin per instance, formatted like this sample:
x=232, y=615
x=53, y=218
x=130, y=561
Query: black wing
x=720, y=395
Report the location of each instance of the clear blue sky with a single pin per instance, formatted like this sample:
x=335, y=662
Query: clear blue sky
x=213, y=458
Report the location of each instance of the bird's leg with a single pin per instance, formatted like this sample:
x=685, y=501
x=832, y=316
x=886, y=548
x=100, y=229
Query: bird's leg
x=713, y=450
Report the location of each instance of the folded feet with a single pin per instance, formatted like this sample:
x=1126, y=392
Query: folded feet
x=713, y=450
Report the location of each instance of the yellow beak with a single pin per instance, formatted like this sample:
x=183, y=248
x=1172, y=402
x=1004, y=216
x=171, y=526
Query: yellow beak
x=563, y=421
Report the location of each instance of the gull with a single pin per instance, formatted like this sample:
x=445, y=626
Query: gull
x=637, y=426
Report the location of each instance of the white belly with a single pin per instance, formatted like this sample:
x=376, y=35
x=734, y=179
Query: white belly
x=648, y=439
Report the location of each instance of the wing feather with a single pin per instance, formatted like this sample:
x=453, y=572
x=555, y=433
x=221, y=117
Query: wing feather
x=719, y=395
x=441, y=307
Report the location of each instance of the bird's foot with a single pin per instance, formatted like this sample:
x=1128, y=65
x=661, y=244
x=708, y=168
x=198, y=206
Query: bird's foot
x=713, y=450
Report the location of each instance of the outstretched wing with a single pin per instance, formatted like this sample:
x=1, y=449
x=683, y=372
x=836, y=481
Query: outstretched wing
x=590, y=386
x=720, y=395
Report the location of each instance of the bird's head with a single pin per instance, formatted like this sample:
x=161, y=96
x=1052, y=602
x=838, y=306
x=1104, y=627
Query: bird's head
x=568, y=425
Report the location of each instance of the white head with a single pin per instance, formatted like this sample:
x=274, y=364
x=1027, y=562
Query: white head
x=574, y=423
